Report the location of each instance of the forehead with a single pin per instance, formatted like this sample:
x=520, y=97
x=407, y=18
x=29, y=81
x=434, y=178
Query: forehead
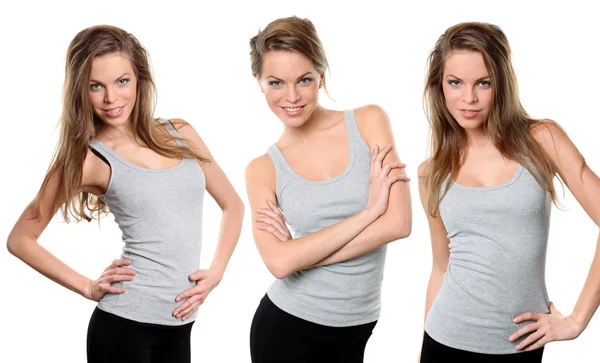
x=110, y=66
x=465, y=65
x=285, y=64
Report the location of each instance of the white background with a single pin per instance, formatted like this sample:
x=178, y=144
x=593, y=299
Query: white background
x=200, y=59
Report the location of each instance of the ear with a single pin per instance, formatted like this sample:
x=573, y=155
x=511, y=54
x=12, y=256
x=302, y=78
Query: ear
x=322, y=80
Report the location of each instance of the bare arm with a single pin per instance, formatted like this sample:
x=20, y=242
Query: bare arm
x=396, y=222
x=585, y=186
x=23, y=239
x=439, y=245
x=285, y=257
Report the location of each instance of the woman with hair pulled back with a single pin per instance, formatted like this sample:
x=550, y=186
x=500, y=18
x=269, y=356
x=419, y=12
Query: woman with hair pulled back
x=151, y=173
x=487, y=190
x=338, y=181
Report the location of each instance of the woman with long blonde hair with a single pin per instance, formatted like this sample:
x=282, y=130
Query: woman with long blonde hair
x=113, y=154
x=487, y=190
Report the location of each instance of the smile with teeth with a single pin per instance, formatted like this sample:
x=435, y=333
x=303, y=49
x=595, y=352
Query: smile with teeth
x=292, y=109
x=114, y=111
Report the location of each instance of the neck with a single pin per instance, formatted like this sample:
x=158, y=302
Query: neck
x=320, y=119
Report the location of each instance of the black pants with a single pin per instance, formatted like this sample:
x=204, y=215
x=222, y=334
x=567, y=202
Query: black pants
x=118, y=340
x=277, y=337
x=434, y=352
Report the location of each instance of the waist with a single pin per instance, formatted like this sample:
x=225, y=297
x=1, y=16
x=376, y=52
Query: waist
x=344, y=294
x=476, y=315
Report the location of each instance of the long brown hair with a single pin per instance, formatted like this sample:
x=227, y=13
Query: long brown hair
x=290, y=34
x=79, y=124
x=507, y=125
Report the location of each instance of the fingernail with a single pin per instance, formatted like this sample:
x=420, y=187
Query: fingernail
x=518, y=346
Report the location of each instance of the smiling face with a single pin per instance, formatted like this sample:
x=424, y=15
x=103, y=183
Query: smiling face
x=291, y=85
x=467, y=89
x=112, y=88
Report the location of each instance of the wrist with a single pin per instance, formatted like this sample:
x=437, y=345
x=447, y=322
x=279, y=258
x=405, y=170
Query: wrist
x=85, y=288
x=578, y=321
x=370, y=215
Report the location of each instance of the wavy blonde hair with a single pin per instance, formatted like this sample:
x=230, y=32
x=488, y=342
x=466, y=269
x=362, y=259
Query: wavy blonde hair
x=79, y=124
x=508, y=125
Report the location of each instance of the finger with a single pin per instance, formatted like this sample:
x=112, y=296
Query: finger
x=526, y=317
x=382, y=155
x=266, y=212
x=115, y=278
x=374, y=153
x=190, y=310
x=276, y=210
x=183, y=306
x=272, y=230
x=121, y=271
x=198, y=275
x=396, y=178
x=389, y=166
x=534, y=337
x=121, y=262
x=273, y=222
x=540, y=343
x=111, y=289
x=523, y=331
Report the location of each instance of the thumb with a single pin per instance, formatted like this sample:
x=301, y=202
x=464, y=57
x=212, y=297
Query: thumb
x=198, y=275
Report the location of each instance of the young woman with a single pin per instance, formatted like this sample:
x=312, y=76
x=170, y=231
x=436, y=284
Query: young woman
x=113, y=154
x=343, y=202
x=487, y=190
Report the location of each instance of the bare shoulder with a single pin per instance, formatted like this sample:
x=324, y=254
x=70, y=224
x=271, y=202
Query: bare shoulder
x=553, y=139
x=371, y=115
x=374, y=125
x=261, y=170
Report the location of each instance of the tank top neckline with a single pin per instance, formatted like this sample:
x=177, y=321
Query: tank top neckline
x=124, y=161
x=350, y=136
x=514, y=178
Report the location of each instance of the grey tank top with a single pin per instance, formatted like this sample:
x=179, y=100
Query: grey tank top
x=498, y=238
x=342, y=294
x=159, y=212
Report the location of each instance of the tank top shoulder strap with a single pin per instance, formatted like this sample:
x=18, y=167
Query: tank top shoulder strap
x=283, y=171
x=171, y=130
x=356, y=141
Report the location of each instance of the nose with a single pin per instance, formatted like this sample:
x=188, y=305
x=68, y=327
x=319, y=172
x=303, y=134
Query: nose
x=292, y=95
x=470, y=95
x=110, y=95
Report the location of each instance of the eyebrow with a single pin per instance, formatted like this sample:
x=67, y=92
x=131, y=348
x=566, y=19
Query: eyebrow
x=480, y=79
x=302, y=76
x=123, y=75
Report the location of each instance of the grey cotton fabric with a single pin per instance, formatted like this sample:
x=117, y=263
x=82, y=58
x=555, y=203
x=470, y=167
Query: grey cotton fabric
x=159, y=212
x=342, y=294
x=498, y=238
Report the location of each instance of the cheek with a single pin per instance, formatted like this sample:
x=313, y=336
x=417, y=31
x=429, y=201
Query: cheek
x=96, y=99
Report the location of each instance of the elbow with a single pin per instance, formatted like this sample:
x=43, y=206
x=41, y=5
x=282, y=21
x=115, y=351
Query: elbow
x=12, y=244
x=278, y=268
x=402, y=229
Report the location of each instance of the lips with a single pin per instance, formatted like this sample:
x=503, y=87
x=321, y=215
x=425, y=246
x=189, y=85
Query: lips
x=114, y=112
x=469, y=113
x=293, y=111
